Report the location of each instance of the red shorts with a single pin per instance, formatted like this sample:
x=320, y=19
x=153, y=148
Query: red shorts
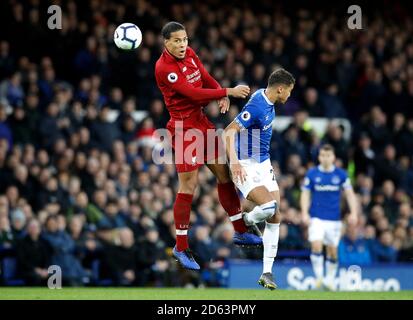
x=194, y=141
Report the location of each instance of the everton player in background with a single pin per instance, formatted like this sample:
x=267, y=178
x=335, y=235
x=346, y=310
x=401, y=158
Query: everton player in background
x=324, y=184
x=187, y=87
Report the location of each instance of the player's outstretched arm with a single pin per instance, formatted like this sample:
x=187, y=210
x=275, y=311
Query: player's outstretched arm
x=175, y=81
x=237, y=171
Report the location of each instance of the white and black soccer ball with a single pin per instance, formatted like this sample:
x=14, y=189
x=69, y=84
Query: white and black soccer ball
x=127, y=36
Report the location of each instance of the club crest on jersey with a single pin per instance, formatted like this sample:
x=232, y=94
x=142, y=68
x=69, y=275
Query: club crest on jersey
x=172, y=77
x=193, y=62
x=246, y=115
x=335, y=180
x=318, y=180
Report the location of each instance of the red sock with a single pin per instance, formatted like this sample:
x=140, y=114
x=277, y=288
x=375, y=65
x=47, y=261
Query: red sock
x=182, y=212
x=229, y=199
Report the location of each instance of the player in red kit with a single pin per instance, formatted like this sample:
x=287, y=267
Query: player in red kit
x=187, y=87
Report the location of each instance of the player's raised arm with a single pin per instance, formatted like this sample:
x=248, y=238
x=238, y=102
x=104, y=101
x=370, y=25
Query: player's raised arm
x=177, y=83
x=237, y=171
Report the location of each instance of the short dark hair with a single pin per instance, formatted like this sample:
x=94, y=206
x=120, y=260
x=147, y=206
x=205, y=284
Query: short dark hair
x=327, y=147
x=281, y=76
x=171, y=27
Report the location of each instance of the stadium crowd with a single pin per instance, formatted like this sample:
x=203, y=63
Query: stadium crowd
x=76, y=188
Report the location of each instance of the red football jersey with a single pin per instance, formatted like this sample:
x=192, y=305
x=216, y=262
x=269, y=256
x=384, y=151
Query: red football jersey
x=185, y=84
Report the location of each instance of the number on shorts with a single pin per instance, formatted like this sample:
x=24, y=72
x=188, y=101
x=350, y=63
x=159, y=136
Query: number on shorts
x=273, y=174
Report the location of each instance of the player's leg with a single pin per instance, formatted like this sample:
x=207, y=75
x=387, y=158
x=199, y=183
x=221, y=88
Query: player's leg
x=266, y=205
x=227, y=195
x=332, y=239
x=270, y=239
x=316, y=236
x=331, y=266
x=261, y=187
x=182, y=210
x=214, y=153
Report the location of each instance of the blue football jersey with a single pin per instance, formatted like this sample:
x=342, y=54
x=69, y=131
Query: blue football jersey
x=326, y=187
x=255, y=121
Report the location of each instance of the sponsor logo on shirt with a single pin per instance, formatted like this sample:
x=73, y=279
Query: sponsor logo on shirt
x=267, y=126
x=193, y=77
x=326, y=187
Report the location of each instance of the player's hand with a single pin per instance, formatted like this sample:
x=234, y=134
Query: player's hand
x=240, y=91
x=223, y=104
x=238, y=172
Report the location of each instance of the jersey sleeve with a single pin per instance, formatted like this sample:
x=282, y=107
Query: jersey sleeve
x=249, y=116
x=345, y=181
x=307, y=183
x=172, y=78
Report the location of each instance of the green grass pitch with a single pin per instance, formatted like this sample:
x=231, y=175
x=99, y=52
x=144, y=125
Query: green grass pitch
x=190, y=294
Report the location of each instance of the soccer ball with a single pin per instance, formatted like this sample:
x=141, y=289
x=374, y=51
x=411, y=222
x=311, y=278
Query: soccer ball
x=127, y=36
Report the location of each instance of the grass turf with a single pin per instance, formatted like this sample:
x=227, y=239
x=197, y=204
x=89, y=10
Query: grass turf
x=191, y=294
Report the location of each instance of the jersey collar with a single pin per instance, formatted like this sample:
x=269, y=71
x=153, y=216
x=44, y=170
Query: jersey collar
x=266, y=98
x=320, y=167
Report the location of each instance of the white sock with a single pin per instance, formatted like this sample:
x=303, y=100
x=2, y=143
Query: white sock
x=331, y=270
x=261, y=213
x=317, y=260
x=270, y=241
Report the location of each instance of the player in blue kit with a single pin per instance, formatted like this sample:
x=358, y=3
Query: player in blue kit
x=324, y=185
x=247, y=141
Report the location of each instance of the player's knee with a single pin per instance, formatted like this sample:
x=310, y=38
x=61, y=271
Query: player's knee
x=188, y=185
x=332, y=253
x=268, y=209
x=316, y=247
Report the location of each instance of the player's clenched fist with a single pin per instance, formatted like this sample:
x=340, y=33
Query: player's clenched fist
x=240, y=91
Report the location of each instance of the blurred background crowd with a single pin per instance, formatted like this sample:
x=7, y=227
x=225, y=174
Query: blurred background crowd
x=81, y=191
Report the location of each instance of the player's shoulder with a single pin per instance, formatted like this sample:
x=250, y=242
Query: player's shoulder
x=312, y=171
x=255, y=101
x=165, y=70
x=340, y=171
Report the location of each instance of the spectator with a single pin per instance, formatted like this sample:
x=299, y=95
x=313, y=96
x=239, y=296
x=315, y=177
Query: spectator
x=152, y=260
x=354, y=249
x=104, y=132
x=5, y=131
x=383, y=250
x=18, y=224
x=121, y=260
x=33, y=256
x=63, y=253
